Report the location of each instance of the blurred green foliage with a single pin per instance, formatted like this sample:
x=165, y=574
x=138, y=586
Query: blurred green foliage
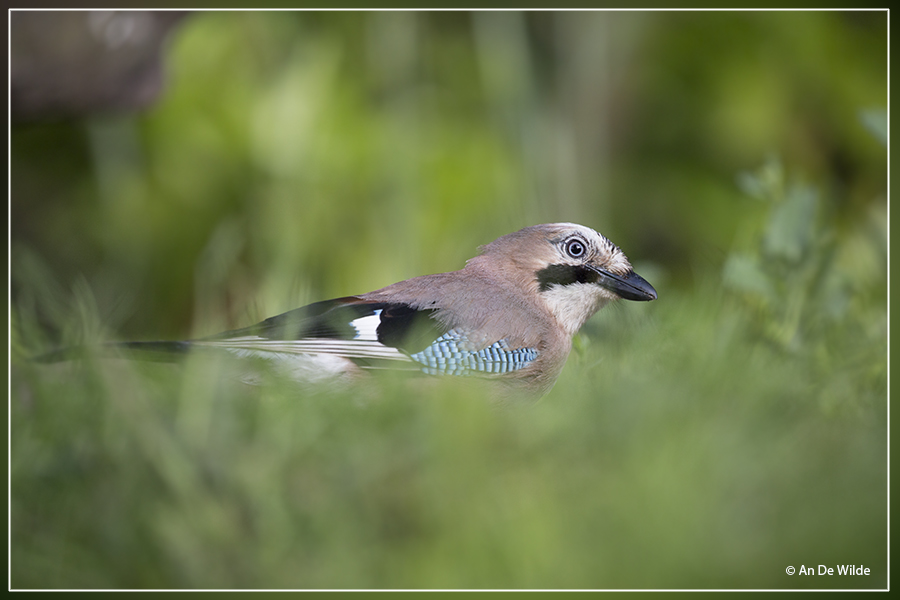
x=709, y=439
x=799, y=272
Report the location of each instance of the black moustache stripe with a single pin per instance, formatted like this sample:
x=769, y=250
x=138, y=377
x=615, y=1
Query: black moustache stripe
x=564, y=275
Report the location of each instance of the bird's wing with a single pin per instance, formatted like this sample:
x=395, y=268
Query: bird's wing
x=367, y=333
x=370, y=333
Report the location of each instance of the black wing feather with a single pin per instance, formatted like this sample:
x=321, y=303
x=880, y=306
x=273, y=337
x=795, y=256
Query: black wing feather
x=401, y=326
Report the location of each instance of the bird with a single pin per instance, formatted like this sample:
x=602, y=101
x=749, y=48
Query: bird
x=509, y=316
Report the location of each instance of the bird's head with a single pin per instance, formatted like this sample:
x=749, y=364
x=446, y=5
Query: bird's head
x=574, y=270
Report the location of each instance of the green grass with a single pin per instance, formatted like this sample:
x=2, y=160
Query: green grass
x=675, y=451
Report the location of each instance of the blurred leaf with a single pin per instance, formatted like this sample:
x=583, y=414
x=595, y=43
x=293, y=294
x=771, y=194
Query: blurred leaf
x=875, y=120
x=766, y=183
x=791, y=224
x=743, y=273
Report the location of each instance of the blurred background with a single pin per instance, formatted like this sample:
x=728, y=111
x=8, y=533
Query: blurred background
x=176, y=174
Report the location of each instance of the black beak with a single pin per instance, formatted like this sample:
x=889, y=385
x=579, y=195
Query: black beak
x=629, y=287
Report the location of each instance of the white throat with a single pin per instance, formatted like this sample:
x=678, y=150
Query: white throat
x=574, y=304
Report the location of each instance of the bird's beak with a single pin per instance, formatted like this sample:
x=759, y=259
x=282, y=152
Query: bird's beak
x=629, y=287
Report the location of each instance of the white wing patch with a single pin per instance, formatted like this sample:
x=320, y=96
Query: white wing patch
x=367, y=327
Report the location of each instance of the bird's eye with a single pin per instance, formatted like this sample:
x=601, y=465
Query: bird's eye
x=575, y=248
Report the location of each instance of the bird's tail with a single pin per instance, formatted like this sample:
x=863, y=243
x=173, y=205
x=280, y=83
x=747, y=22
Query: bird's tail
x=154, y=351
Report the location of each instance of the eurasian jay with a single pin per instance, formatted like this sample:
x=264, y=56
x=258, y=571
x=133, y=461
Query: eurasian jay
x=508, y=315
